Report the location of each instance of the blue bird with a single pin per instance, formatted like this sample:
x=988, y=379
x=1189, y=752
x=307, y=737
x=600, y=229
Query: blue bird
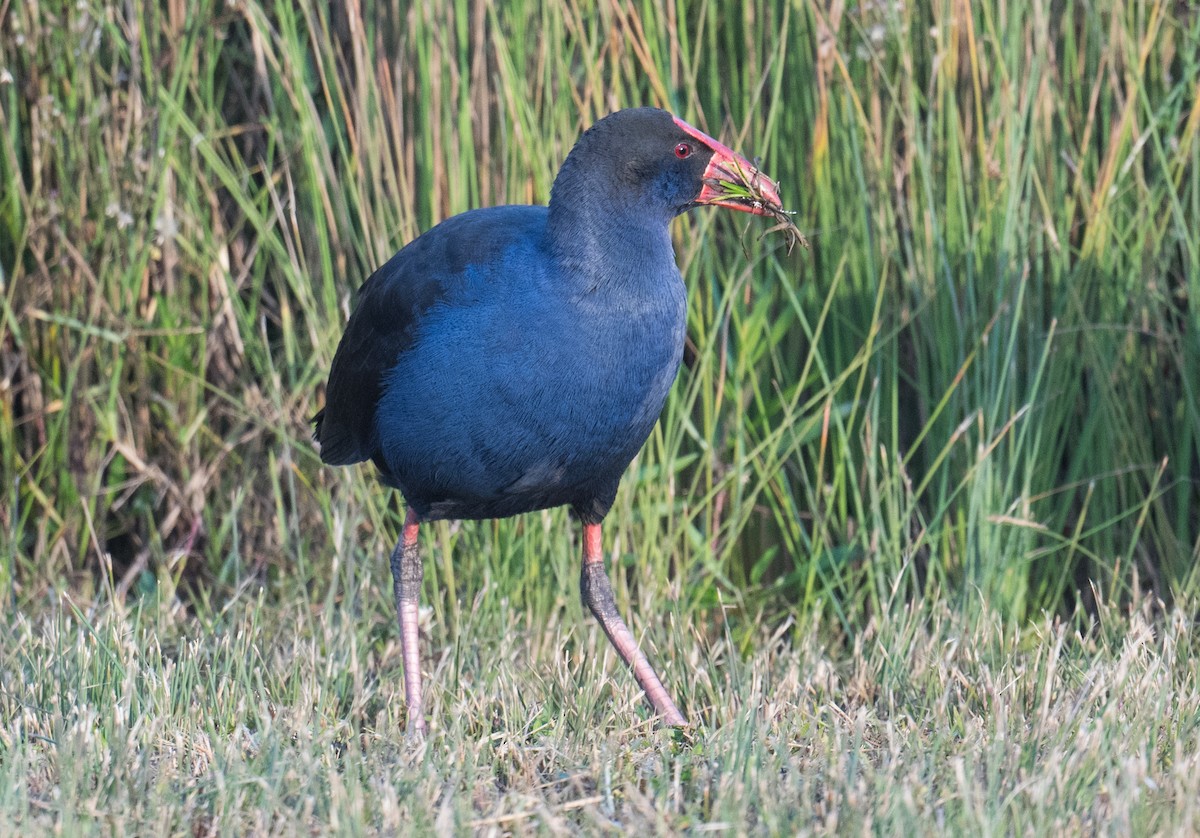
x=515, y=358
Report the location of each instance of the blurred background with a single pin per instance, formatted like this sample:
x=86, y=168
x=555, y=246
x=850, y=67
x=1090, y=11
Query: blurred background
x=978, y=386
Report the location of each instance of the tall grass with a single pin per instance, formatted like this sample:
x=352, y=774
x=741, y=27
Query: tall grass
x=975, y=386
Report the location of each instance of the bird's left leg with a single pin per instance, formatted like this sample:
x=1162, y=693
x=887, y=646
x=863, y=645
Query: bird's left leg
x=406, y=585
x=598, y=597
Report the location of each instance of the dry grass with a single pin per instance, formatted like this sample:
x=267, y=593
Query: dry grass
x=282, y=722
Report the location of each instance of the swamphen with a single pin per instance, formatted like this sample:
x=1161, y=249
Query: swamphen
x=515, y=358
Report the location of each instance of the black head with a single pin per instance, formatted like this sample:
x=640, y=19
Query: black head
x=647, y=162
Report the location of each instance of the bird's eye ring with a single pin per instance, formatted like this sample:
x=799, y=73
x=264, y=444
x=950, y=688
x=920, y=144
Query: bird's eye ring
x=683, y=151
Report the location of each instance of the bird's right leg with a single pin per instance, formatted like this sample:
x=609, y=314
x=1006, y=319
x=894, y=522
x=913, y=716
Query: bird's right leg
x=598, y=597
x=406, y=584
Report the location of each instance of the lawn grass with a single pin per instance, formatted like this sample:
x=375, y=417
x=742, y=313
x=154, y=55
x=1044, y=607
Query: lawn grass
x=914, y=542
x=285, y=721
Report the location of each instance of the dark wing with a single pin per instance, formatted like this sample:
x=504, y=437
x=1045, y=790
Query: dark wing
x=382, y=326
x=431, y=269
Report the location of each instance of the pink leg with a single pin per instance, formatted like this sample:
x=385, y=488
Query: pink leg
x=406, y=584
x=598, y=596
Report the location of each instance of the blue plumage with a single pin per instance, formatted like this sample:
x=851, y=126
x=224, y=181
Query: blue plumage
x=525, y=388
x=516, y=358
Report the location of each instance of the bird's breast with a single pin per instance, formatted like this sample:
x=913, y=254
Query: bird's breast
x=526, y=400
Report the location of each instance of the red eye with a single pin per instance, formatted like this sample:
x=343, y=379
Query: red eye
x=683, y=151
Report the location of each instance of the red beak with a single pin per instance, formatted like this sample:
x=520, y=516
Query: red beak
x=732, y=181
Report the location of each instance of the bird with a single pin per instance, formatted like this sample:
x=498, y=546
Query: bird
x=516, y=358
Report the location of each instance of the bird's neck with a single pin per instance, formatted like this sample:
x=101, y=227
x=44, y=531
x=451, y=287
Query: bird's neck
x=605, y=239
